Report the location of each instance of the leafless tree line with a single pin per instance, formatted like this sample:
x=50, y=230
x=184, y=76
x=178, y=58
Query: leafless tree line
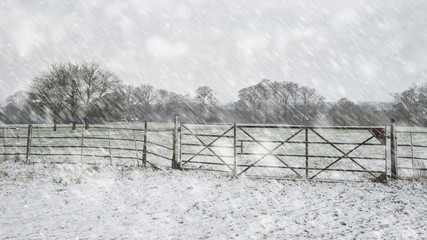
x=89, y=92
x=74, y=91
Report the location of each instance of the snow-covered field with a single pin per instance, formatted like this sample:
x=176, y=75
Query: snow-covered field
x=73, y=201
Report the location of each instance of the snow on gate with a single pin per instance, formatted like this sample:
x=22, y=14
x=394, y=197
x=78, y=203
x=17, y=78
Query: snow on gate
x=282, y=151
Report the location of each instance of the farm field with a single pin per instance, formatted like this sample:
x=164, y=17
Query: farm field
x=79, y=201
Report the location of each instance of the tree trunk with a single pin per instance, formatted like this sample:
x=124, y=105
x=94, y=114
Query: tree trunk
x=86, y=120
x=74, y=123
x=54, y=124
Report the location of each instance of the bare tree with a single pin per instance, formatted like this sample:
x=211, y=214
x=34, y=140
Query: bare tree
x=205, y=96
x=95, y=83
x=310, y=104
x=411, y=105
x=270, y=101
x=144, y=94
x=46, y=94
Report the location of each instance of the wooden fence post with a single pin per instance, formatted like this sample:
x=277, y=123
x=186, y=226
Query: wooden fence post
x=5, y=142
x=412, y=155
x=393, y=150
x=235, y=151
x=180, y=144
x=136, y=148
x=175, y=164
x=81, y=150
x=29, y=138
x=40, y=143
x=144, y=148
x=109, y=146
x=306, y=152
x=17, y=149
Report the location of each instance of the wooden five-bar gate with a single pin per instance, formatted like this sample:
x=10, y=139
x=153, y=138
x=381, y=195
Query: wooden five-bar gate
x=283, y=151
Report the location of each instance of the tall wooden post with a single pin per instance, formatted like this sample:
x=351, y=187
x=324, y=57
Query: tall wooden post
x=109, y=146
x=29, y=138
x=81, y=150
x=393, y=150
x=412, y=155
x=175, y=163
x=5, y=142
x=136, y=148
x=144, y=148
x=40, y=143
x=235, y=151
x=306, y=152
x=180, y=144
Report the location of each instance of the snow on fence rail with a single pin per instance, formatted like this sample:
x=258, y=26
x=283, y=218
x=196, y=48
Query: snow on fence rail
x=412, y=146
x=278, y=151
x=118, y=145
x=286, y=151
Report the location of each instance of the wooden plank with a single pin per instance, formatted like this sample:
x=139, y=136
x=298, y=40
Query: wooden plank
x=309, y=127
x=311, y=156
x=158, y=155
x=235, y=151
x=306, y=153
x=29, y=140
x=206, y=135
x=315, y=142
x=144, y=146
x=5, y=142
x=206, y=155
x=159, y=145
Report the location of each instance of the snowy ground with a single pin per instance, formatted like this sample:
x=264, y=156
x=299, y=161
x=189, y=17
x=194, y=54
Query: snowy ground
x=85, y=202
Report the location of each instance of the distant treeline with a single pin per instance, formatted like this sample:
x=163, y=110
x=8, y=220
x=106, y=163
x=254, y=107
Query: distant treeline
x=90, y=93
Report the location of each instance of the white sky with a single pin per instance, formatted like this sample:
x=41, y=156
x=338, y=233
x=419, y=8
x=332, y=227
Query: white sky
x=362, y=50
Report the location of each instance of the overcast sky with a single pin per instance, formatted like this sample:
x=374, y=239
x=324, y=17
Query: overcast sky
x=362, y=50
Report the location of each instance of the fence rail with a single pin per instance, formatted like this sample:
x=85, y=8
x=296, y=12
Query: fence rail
x=311, y=152
x=99, y=142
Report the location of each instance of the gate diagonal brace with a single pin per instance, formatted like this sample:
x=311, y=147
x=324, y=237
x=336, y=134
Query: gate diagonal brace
x=269, y=153
x=207, y=146
x=345, y=155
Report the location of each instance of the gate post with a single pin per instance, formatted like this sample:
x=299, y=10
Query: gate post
x=306, y=152
x=144, y=146
x=393, y=150
x=175, y=163
x=29, y=138
x=235, y=151
x=5, y=142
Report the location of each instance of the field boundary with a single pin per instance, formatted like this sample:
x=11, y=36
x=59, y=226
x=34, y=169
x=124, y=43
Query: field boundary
x=236, y=149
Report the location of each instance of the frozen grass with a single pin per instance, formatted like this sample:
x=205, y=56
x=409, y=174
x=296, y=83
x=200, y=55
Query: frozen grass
x=104, y=202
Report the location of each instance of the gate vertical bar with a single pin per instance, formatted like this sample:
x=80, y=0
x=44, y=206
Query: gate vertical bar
x=235, y=151
x=144, y=147
x=412, y=155
x=393, y=150
x=109, y=146
x=40, y=143
x=180, y=144
x=29, y=138
x=18, y=149
x=306, y=152
x=81, y=150
x=175, y=164
x=136, y=148
x=5, y=142
x=385, y=152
